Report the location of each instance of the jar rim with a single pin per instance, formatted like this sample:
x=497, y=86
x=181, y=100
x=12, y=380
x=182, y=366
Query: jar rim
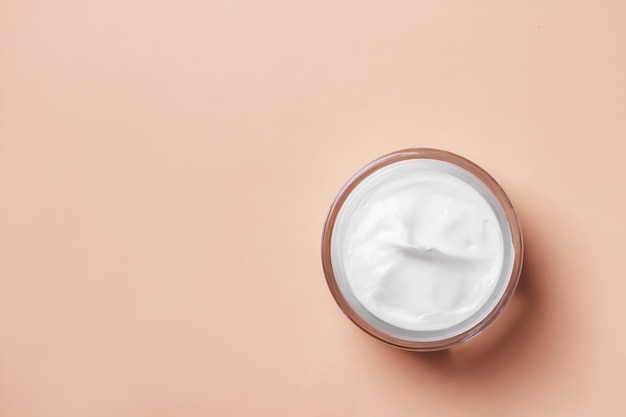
x=487, y=180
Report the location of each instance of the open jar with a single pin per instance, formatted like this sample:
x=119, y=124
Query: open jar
x=422, y=249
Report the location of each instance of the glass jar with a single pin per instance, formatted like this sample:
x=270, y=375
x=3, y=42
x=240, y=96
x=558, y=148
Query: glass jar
x=353, y=197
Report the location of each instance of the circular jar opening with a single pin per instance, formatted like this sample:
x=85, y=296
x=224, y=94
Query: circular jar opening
x=422, y=249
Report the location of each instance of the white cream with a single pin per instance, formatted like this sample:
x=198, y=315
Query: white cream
x=420, y=246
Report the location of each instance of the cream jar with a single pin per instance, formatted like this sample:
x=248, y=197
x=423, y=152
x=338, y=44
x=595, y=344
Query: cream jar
x=422, y=249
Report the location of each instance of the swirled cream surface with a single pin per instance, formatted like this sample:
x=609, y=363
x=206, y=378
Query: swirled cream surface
x=419, y=245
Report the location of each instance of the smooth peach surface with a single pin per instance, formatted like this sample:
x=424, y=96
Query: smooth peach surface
x=166, y=168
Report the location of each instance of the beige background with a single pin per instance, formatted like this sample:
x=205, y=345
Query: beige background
x=166, y=167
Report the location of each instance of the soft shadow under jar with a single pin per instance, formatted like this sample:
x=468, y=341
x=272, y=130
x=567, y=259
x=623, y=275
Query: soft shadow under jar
x=422, y=249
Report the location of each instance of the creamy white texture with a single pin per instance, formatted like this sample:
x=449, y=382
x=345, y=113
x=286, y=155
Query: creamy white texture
x=420, y=248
